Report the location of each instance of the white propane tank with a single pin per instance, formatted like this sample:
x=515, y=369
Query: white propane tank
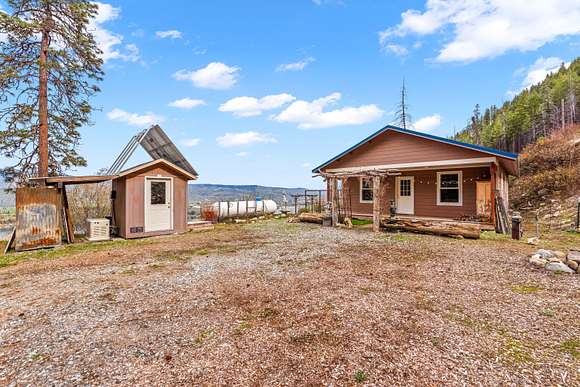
x=243, y=208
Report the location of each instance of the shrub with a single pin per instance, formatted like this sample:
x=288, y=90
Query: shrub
x=208, y=213
x=89, y=201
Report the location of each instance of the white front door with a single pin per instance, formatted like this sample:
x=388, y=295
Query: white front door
x=405, y=195
x=158, y=207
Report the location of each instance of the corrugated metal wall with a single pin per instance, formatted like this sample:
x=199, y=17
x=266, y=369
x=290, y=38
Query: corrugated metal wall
x=38, y=218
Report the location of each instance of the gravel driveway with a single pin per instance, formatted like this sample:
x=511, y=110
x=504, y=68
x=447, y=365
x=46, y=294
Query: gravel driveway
x=285, y=304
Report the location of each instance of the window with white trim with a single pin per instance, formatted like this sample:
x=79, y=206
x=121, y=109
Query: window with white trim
x=366, y=190
x=449, y=188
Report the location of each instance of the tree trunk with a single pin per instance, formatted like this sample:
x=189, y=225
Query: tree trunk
x=310, y=217
x=43, y=105
x=444, y=228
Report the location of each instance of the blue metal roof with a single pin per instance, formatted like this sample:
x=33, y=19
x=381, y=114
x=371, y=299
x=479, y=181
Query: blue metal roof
x=479, y=148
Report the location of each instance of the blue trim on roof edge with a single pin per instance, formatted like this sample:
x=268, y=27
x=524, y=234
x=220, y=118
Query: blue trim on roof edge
x=424, y=135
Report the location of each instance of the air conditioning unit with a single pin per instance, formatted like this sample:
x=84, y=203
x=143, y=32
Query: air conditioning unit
x=98, y=229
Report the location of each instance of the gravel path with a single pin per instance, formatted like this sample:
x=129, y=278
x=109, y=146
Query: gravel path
x=285, y=304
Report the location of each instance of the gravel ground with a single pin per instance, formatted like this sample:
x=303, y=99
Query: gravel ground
x=286, y=304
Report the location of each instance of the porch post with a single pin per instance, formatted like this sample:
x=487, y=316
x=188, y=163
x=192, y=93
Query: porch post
x=333, y=200
x=346, y=197
x=492, y=170
x=376, y=203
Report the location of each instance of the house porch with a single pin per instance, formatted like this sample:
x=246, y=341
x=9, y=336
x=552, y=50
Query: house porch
x=437, y=193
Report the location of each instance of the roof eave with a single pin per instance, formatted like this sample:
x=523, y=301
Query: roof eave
x=497, y=153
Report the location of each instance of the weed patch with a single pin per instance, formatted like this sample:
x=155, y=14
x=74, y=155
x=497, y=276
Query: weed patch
x=525, y=289
x=515, y=352
x=360, y=376
x=361, y=222
x=546, y=312
x=202, y=337
x=571, y=347
x=243, y=326
x=267, y=313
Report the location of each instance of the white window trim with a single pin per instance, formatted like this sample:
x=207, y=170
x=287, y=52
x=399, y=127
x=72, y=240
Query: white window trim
x=361, y=190
x=460, y=186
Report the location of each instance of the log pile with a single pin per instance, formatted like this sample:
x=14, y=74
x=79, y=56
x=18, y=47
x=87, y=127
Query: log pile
x=444, y=228
x=310, y=217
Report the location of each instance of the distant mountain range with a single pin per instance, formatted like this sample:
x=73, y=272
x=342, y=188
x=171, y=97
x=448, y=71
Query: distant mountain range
x=217, y=192
x=206, y=193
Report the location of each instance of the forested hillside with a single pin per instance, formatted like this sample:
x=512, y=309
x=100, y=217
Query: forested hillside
x=532, y=114
x=549, y=180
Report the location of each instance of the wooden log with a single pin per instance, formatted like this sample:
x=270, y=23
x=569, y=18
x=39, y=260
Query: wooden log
x=310, y=217
x=444, y=228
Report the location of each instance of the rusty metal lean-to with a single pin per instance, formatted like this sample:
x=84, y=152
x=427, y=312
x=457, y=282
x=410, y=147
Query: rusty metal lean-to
x=38, y=218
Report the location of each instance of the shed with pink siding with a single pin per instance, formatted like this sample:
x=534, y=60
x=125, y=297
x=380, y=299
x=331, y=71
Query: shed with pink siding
x=151, y=199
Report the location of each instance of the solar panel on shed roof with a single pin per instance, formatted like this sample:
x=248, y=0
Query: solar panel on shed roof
x=158, y=145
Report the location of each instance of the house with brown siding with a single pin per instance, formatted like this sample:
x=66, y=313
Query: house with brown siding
x=420, y=175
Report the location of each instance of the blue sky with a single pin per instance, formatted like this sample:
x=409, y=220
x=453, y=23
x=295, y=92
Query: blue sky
x=260, y=92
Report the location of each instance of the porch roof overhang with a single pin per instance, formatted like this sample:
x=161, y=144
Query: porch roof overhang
x=393, y=169
x=54, y=180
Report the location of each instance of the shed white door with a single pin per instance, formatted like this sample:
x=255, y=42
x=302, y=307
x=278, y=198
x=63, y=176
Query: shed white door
x=158, y=206
x=405, y=194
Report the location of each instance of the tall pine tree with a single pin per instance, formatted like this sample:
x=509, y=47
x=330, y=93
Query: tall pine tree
x=49, y=67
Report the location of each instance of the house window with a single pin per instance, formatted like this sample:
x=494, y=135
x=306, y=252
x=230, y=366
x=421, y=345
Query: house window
x=158, y=192
x=366, y=190
x=449, y=188
x=405, y=187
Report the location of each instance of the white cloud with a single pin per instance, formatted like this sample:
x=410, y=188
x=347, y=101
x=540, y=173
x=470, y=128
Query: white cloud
x=244, y=138
x=134, y=119
x=310, y=115
x=297, y=66
x=541, y=68
x=428, y=123
x=250, y=106
x=189, y=142
x=396, y=49
x=171, y=34
x=488, y=28
x=215, y=75
x=306, y=165
x=187, y=103
x=110, y=42
x=138, y=33
x=242, y=154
